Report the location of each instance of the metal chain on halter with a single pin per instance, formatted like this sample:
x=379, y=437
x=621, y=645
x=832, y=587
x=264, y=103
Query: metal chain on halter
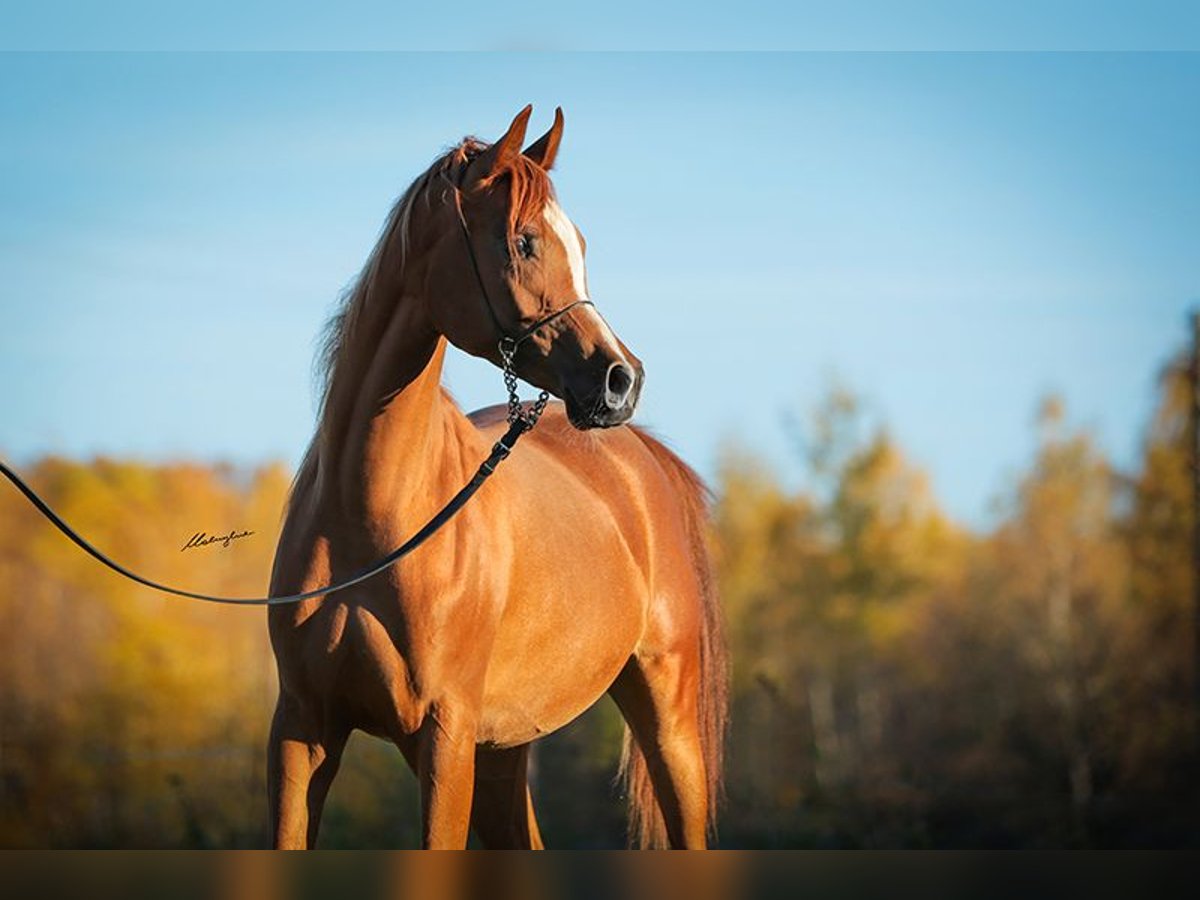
x=516, y=410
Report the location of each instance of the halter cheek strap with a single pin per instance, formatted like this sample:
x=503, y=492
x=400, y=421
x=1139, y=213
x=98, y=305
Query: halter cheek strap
x=508, y=344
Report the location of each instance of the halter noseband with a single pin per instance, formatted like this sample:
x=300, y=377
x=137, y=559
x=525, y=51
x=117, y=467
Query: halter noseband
x=508, y=344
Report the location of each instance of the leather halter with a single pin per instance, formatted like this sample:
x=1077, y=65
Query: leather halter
x=508, y=343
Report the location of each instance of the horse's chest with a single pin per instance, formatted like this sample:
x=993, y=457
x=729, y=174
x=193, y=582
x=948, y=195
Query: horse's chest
x=392, y=653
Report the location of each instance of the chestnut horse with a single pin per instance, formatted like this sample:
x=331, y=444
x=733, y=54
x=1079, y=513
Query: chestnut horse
x=579, y=569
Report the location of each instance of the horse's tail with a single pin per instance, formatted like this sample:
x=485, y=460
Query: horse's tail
x=646, y=826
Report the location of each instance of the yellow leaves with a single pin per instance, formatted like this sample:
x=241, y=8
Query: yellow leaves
x=890, y=666
x=883, y=640
x=134, y=693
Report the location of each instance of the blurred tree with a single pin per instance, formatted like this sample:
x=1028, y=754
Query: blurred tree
x=821, y=592
x=1158, y=528
x=1062, y=575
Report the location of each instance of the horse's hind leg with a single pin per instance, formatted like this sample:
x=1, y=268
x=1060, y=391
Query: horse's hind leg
x=502, y=810
x=302, y=760
x=658, y=696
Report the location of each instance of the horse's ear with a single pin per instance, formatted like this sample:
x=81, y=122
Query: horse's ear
x=496, y=157
x=544, y=149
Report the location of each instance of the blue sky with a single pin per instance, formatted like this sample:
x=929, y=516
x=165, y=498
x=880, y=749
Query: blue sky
x=612, y=25
x=952, y=235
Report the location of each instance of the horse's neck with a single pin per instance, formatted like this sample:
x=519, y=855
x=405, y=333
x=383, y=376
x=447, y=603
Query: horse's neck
x=395, y=443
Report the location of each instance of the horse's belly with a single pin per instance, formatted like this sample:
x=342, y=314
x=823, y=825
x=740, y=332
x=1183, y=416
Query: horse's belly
x=541, y=683
x=515, y=718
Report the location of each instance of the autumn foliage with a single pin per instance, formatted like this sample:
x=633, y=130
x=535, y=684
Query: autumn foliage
x=900, y=680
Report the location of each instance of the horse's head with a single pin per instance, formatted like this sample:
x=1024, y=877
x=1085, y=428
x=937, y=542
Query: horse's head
x=507, y=258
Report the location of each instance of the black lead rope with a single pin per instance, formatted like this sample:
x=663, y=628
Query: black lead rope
x=499, y=452
x=520, y=420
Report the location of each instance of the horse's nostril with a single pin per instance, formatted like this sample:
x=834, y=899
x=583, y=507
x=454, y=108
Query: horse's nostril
x=617, y=385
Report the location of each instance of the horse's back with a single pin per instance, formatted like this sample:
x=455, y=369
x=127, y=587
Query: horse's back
x=582, y=451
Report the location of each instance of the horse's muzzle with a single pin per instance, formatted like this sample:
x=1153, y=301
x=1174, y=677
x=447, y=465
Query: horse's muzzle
x=611, y=403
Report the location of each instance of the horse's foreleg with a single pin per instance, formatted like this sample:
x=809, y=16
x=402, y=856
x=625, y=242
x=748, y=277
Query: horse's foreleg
x=301, y=764
x=502, y=812
x=446, y=772
x=658, y=698
x=322, y=779
x=289, y=771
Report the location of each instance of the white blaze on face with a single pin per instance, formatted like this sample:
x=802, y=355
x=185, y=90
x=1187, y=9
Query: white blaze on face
x=564, y=229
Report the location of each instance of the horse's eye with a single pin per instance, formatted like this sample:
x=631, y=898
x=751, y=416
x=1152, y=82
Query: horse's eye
x=525, y=245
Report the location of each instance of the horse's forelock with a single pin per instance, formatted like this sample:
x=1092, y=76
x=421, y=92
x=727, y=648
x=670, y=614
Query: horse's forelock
x=529, y=192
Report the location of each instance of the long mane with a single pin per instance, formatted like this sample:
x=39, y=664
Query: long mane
x=394, y=242
x=529, y=191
